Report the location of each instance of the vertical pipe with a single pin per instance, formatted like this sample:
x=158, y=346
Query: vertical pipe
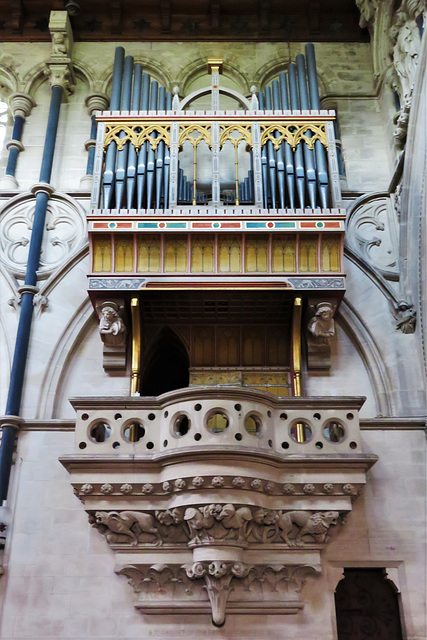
x=136, y=347
x=264, y=160
x=166, y=188
x=310, y=169
x=142, y=156
x=16, y=383
x=296, y=347
x=289, y=159
x=110, y=156
x=132, y=158
x=160, y=152
x=270, y=154
x=122, y=155
x=151, y=153
x=298, y=158
x=236, y=171
x=194, y=174
x=322, y=171
x=91, y=152
x=280, y=159
x=14, y=145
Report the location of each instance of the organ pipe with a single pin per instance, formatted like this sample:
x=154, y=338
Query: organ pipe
x=132, y=157
x=310, y=170
x=110, y=157
x=298, y=159
x=122, y=155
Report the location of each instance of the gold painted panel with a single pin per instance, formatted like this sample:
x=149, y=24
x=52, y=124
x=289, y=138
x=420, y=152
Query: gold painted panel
x=307, y=260
x=202, y=253
x=102, y=253
x=149, y=253
x=123, y=253
x=209, y=378
x=230, y=253
x=277, y=346
x=277, y=383
x=176, y=253
x=330, y=253
x=256, y=253
x=284, y=253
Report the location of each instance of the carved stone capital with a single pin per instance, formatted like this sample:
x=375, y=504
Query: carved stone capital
x=21, y=104
x=42, y=187
x=14, y=144
x=61, y=75
x=113, y=333
x=11, y=421
x=96, y=102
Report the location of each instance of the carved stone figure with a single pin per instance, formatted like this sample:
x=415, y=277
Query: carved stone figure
x=235, y=520
x=111, y=325
x=405, y=318
x=406, y=43
x=123, y=522
x=316, y=525
x=59, y=47
x=322, y=326
x=367, y=10
x=200, y=520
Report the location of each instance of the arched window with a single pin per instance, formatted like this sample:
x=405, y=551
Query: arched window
x=167, y=367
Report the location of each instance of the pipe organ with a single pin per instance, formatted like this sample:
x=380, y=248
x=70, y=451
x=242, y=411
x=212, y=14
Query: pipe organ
x=201, y=200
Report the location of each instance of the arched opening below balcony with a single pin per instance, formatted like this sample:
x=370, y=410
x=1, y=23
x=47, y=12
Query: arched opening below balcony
x=167, y=366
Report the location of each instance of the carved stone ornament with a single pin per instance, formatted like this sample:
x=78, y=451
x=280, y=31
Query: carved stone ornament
x=192, y=538
x=112, y=330
x=405, y=317
x=320, y=330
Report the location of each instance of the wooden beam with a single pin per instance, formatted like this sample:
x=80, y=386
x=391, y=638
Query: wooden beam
x=214, y=9
x=165, y=15
x=116, y=16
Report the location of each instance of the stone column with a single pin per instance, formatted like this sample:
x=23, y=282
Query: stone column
x=94, y=103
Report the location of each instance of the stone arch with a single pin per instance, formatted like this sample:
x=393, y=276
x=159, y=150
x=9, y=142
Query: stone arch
x=199, y=93
x=153, y=68
x=271, y=71
x=9, y=79
x=199, y=68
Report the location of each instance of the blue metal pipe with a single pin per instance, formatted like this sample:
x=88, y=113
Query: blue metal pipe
x=18, y=126
x=142, y=156
x=310, y=169
x=110, y=156
x=280, y=158
x=160, y=156
x=289, y=158
x=122, y=155
x=322, y=168
x=270, y=154
x=132, y=157
x=169, y=98
x=298, y=159
x=264, y=160
x=91, y=152
x=13, y=405
x=151, y=152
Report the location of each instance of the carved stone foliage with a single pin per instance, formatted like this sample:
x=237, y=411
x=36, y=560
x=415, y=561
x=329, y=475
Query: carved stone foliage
x=236, y=585
x=215, y=524
x=372, y=233
x=64, y=234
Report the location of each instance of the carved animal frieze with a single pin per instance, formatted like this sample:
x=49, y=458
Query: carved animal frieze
x=215, y=524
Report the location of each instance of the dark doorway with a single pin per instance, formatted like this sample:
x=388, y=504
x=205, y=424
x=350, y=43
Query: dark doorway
x=167, y=368
x=366, y=606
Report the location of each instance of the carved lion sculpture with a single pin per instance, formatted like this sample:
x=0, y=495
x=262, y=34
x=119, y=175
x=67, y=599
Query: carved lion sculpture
x=121, y=523
x=200, y=520
x=316, y=525
x=235, y=520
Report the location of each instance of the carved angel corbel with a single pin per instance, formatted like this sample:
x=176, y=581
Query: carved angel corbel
x=112, y=330
x=320, y=330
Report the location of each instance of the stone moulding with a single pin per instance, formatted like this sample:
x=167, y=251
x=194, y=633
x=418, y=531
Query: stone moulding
x=203, y=521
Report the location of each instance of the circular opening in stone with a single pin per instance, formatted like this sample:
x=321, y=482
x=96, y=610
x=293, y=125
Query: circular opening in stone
x=133, y=432
x=182, y=425
x=165, y=443
x=238, y=407
x=117, y=416
x=350, y=416
x=253, y=424
x=100, y=432
x=151, y=416
x=300, y=432
x=166, y=413
x=319, y=445
x=285, y=445
x=270, y=443
x=353, y=445
x=269, y=414
x=82, y=445
x=150, y=445
x=197, y=436
x=283, y=416
x=238, y=437
x=317, y=416
x=217, y=422
x=197, y=407
x=85, y=416
x=116, y=445
x=334, y=431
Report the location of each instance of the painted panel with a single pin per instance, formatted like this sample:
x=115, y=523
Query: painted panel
x=123, y=253
x=229, y=251
x=330, y=253
x=284, y=253
x=102, y=254
x=256, y=253
x=307, y=258
x=149, y=253
x=175, y=254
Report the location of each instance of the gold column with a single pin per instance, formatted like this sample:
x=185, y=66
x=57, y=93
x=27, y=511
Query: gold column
x=136, y=346
x=296, y=360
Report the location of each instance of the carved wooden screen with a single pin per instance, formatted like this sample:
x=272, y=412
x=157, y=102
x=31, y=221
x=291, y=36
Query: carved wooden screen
x=366, y=606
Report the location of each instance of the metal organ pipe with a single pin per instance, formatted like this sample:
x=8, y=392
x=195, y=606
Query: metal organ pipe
x=132, y=157
x=321, y=164
x=310, y=169
x=264, y=168
x=110, y=156
x=160, y=151
x=142, y=155
x=298, y=158
x=122, y=155
x=289, y=158
x=151, y=153
x=169, y=98
x=270, y=154
x=280, y=159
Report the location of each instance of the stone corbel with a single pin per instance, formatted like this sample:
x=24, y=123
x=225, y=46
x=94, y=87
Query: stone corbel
x=320, y=331
x=59, y=67
x=112, y=329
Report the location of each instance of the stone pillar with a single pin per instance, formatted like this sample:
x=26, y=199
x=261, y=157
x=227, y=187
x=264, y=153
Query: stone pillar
x=94, y=103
